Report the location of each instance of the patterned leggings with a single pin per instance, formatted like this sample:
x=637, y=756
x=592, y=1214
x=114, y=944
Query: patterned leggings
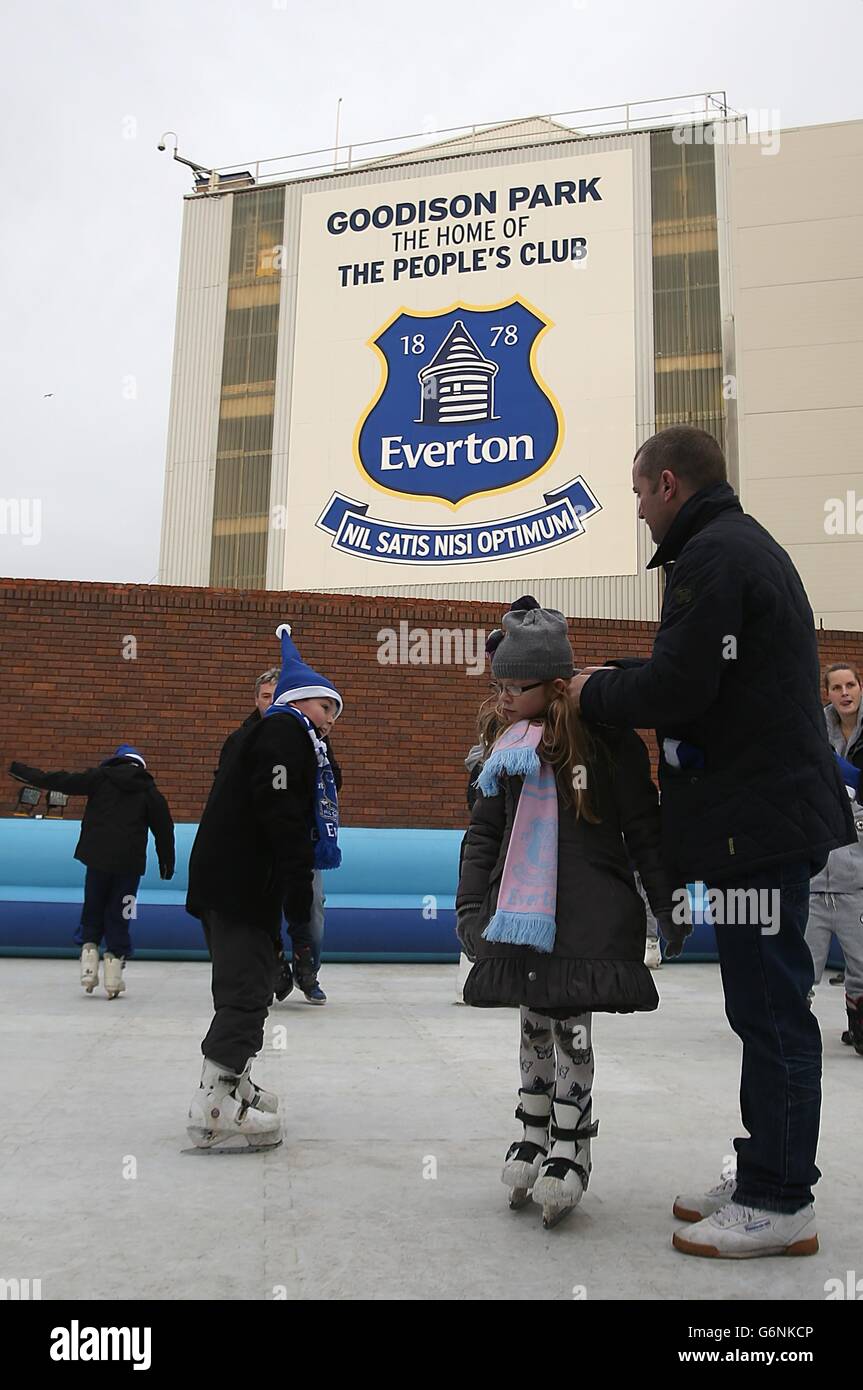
x=570, y=1074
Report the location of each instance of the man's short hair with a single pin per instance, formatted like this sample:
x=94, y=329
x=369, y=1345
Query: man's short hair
x=271, y=675
x=692, y=455
x=841, y=666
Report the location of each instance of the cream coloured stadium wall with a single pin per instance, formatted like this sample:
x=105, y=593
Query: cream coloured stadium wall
x=797, y=269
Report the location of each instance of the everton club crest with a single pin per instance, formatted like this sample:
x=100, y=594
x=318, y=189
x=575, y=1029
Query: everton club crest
x=461, y=412
x=461, y=409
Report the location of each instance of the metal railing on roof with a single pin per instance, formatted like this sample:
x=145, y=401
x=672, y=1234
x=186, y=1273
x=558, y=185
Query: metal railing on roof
x=656, y=114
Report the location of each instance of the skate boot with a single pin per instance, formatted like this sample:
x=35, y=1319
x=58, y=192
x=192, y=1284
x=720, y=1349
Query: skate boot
x=564, y=1175
x=89, y=966
x=706, y=1203
x=114, y=982
x=258, y=1099
x=306, y=976
x=224, y=1122
x=853, y=1035
x=284, y=979
x=523, y=1158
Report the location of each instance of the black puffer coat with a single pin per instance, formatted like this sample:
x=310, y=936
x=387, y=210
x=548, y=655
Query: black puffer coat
x=123, y=804
x=735, y=672
x=254, y=843
x=598, y=957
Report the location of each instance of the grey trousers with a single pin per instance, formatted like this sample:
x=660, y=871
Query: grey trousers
x=842, y=914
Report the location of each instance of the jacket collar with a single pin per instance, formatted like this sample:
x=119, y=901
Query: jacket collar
x=697, y=512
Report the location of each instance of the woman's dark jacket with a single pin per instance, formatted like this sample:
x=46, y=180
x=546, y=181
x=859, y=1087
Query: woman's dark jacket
x=598, y=957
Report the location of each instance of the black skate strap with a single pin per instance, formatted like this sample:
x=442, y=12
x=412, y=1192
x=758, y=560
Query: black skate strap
x=532, y=1121
x=524, y=1151
x=555, y=1167
x=573, y=1135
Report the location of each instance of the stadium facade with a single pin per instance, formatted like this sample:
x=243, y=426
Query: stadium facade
x=376, y=362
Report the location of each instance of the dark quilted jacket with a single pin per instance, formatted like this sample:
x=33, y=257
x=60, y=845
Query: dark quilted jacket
x=735, y=672
x=598, y=957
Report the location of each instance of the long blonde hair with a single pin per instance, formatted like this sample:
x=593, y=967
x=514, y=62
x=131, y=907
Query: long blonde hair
x=566, y=745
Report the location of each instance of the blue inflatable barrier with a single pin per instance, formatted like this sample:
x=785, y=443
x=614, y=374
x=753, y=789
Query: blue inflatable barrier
x=392, y=899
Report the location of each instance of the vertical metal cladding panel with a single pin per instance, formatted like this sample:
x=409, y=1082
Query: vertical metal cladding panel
x=617, y=596
x=722, y=154
x=193, y=422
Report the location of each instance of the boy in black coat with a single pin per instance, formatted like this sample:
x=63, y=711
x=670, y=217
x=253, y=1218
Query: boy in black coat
x=270, y=814
x=123, y=804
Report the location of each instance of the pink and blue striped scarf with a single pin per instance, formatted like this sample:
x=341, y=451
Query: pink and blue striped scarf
x=527, y=900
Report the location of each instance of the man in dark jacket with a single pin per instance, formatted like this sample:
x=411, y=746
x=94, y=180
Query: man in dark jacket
x=265, y=686
x=254, y=851
x=751, y=800
x=123, y=804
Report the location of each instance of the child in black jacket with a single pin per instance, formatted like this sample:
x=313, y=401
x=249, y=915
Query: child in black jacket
x=123, y=805
x=270, y=821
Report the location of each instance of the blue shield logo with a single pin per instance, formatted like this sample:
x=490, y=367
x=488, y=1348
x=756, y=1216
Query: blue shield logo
x=461, y=410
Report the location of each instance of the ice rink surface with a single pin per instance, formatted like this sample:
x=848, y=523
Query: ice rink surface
x=398, y=1109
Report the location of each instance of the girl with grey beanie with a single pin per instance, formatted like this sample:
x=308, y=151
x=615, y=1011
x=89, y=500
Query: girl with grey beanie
x=547, y=907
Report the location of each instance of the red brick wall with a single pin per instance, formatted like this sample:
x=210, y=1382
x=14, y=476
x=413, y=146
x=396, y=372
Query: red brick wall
x=69, y=696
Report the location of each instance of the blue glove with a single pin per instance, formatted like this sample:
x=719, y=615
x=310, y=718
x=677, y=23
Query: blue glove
x=850, y=774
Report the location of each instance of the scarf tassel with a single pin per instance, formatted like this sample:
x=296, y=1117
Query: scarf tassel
x=516, y=762
x=522, y=929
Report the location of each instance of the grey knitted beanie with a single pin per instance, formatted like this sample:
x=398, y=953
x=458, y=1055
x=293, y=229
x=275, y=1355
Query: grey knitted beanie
x=535, y=646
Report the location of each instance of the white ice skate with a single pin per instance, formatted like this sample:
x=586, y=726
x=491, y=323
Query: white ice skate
x=523, y=1158
x=224, y=1122
x=89, y=966
x=256, y=1097
x=565, y=1174
x=114, y=982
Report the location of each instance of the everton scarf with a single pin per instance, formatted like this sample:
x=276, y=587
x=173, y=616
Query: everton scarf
x=325, y=834
x=527, y=900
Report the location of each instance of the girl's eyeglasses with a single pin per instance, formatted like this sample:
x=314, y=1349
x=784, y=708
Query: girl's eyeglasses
x=515, y=690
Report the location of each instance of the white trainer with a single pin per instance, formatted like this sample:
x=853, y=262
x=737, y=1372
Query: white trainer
x=89, y=966
x=697, y=1208
x=653, y=954
x=114, y=982
x=222, y=1122
x=736, y=1232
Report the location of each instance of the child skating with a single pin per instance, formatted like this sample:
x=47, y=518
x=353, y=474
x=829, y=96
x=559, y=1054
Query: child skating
x=123, y=805
x=547, y=905
x=270, y=819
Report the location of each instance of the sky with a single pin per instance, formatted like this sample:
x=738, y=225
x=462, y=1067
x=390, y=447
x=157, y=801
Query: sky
x=91, y=211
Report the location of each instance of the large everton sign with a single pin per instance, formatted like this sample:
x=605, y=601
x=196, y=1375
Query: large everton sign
x=459, y=395
x=463, y=389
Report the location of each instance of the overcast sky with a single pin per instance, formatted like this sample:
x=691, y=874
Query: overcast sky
x=91, y=211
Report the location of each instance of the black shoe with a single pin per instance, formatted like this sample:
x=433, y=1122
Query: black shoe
x=854, y=1010
x=285, y=981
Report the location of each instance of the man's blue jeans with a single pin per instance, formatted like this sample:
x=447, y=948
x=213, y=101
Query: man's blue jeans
x=311, y=933
x=767, y=974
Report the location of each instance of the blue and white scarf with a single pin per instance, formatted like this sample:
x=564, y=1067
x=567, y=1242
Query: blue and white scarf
x=325, y=833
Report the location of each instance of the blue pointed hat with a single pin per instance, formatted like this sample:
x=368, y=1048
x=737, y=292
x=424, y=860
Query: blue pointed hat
x=298, y=681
